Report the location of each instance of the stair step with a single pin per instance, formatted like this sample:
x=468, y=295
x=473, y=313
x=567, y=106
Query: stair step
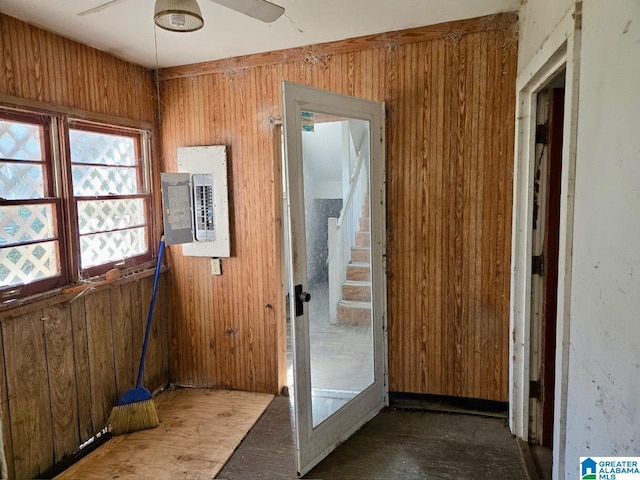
x=364, y=224
x=359, y=271
x=354, y=313
x=360, y=254
x=363, y=239
x=365, y=209
x=356, y=291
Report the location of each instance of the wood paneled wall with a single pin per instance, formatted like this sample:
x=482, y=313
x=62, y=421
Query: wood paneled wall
x=65, y=362
x=449, y=219
x=449, y=91
x=41, y=66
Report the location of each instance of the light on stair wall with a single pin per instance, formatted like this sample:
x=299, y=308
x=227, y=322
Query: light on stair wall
x=178, y=15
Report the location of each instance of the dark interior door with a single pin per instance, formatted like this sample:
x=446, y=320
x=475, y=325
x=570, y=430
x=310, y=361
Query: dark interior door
x=551, y=245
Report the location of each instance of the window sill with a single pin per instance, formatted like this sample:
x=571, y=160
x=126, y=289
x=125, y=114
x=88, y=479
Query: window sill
x=72, y=292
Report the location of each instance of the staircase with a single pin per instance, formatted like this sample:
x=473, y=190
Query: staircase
x=354, y=307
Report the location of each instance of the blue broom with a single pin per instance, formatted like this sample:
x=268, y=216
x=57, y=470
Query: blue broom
x=135, y=409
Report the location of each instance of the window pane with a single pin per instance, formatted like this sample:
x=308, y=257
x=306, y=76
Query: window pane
x=27, y=263
x=26, y=223
x=100, y=248
x=105, y=165
x=20, y=141
x=21, y=181
x=91, y=181
x=92, y=147
x=100, y=215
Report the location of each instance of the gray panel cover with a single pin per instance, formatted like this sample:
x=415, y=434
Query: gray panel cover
x=176, y=208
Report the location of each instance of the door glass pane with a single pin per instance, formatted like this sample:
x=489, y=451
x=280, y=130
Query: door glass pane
x=336, y=186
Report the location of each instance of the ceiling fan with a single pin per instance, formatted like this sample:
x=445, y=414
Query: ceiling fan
x=185, y=16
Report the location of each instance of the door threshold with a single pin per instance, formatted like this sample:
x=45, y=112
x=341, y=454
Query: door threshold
x=536, y=459
x=444, y=403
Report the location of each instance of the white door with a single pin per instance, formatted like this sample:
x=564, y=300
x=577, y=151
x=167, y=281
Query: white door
x=334, y=148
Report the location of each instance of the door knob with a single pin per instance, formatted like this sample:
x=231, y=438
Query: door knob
x=300, y=297
x=305, y=297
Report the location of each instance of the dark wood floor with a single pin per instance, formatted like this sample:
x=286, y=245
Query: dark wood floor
x=396, y=444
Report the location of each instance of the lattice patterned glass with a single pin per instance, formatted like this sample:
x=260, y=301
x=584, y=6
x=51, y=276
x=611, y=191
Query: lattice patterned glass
x=100, y=215
x=21, y=181
x=89, y=181
x=27, y=263
x=26, y=223
x=101, y=148
x=100, y=248
x=20, y=141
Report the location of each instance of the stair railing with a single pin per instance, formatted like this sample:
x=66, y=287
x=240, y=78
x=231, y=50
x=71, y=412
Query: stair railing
x=342, y=232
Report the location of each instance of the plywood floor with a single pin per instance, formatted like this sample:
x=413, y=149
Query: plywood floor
x=199, y=430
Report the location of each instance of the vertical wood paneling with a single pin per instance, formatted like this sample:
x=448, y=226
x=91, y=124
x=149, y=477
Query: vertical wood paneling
x=449, y=143
x=137, y=329
x=122, y=321
x=428, y=334
x=101, y=364
x=4, y=411
x=62, y=365
x=155, y=372
x=483, y=142
x=162, y=377
x=62, y=379
x=504, y=280
x=140, y=317
x=38, y=65
x=450, y=98
x=86, y=427
x=224, y=336
x=28, y=390
x=65, y=362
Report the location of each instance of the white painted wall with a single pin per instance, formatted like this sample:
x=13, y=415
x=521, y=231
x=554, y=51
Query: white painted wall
x=538, y=18
x=323, y=159
x=603, y=414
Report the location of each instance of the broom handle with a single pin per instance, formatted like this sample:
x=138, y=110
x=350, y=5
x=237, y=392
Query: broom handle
x=150, y=317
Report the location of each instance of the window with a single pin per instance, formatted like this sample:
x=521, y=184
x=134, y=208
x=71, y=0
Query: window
x=111, y=196
x=69, y=215
x=30, y=244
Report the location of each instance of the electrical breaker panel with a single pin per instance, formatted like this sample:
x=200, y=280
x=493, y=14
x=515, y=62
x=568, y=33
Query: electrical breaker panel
x=195, y=203
x=204, y=218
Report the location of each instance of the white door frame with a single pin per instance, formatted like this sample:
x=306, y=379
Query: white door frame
x=561, y=50
x=325, y=437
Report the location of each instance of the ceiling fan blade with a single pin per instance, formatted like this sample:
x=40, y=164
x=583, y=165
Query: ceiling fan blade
x=99, y=7
x=258, y=9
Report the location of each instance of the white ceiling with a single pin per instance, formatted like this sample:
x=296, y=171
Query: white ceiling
x=126, y=29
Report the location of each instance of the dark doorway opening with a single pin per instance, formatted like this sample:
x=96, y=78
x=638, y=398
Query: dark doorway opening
x=544, y=282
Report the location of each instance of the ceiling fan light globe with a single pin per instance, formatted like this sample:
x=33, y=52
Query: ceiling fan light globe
x=177, y=21
x=178, y=15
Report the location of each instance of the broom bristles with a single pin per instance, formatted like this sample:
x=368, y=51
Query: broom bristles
x=132, y=417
